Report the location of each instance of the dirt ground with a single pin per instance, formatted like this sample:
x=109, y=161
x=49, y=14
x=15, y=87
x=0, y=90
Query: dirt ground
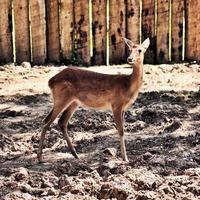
x=162, y=139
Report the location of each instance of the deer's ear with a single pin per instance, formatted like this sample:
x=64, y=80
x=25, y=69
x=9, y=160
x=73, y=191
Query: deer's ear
x=129, y=43
x=146, y=44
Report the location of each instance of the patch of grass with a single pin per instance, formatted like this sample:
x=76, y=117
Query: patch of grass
x=74, y=57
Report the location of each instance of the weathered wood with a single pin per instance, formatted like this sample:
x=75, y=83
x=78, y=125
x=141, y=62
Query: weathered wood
x=117, y=30
x=177, y=29
x=148, y=29
x=6, y=50
x=133, y=20
x=22, y=30
x=82, y=31
x=53, y=40
x=192, y=29
x=66, y=29
x=99, y=32
x=38, y=31
x=198, y=32
x=163, y=32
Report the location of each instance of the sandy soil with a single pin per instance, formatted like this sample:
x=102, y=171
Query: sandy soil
x=162, y=139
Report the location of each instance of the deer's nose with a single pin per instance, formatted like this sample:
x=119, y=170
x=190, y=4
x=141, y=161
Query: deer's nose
x=129, y=59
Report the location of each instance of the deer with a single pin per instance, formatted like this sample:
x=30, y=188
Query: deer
x=73, y=87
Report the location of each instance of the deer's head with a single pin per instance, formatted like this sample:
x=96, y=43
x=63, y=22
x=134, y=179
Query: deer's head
x=136, y=51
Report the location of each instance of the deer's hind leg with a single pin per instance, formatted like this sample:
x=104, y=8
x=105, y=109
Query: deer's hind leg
x=57, y=109
x=63, y=121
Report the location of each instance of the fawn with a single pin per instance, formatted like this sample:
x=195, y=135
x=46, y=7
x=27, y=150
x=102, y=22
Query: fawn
x=73, y=87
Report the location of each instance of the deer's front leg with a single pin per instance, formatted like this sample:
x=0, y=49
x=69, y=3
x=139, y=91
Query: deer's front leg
x=118, y=117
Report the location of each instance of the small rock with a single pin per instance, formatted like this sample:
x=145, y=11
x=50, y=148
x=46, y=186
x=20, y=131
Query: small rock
x=105, y=168
x=176, y=124
x=15, y=195
x=121, y=169
x=129, y=117
x=22, y=174
x=157, y=161
x=144, y=179
x=2, y=68
x=147, y=72
x=26, y=65
x=25, y=188
x=147, y=156
x=65, y=168
x=110, y=152
x=193, y=172
x=49, y=192
x=108, y=191
x=63, y=181
x=166, y=189
x=45, y=183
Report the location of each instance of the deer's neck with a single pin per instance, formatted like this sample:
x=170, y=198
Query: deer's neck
x=136, y=77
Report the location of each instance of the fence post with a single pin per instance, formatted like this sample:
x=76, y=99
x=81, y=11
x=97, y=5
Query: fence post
x=38, y=31
x=22, y=30
x=82, y=31
x=6, y=48
x=52, y=20
x=99, y=32
x=163, y=32
x=177, y=29
x=192, y=29
x=66, y=29
x=148, y=29
x=117, y=31
x=133, y=20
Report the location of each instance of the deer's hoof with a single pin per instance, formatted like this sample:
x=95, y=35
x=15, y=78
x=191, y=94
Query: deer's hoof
x=125, y=159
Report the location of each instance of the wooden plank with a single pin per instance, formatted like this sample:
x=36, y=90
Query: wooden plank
x=177, y=30
x=117, y=31
x=6, y=50
x=163, y=31
x=192, y=29
x=38, y=31
x=22, y=30
x=53, y=41
x=198, y=32
x=99, y=32
x=148, y=29
x=82, y=31
x=133, y=20
x=66, y=29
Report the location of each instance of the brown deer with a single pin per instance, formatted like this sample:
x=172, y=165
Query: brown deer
x=75, y=87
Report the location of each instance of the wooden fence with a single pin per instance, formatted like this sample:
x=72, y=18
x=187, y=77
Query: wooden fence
x=90, y=32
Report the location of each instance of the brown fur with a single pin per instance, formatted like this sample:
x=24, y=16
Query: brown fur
x=73, y=87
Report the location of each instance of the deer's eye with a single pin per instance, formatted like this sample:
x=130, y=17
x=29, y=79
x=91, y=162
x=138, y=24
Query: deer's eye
x=139, y=50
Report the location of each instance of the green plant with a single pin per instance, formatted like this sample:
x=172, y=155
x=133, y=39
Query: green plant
x=74, y=57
